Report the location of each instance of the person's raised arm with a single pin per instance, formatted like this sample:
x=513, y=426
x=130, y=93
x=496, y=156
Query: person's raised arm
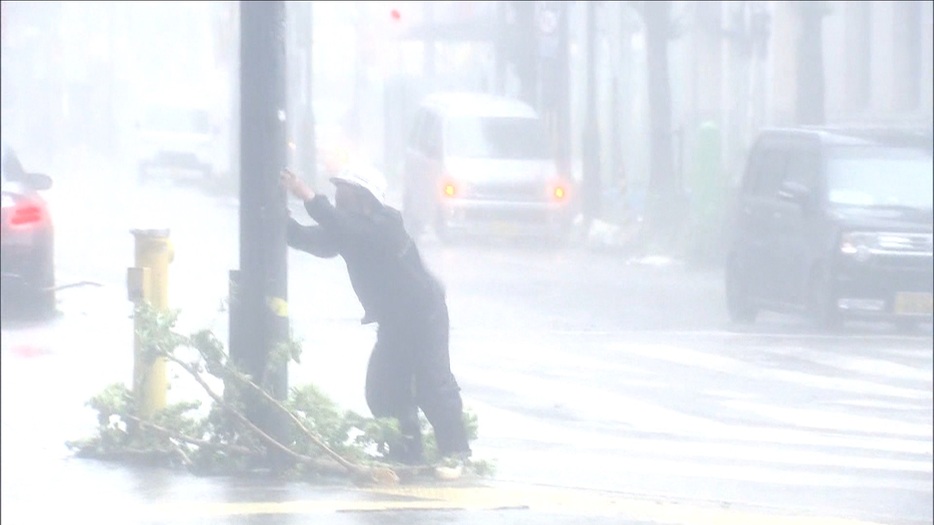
x=311, y=239
x=296, y=186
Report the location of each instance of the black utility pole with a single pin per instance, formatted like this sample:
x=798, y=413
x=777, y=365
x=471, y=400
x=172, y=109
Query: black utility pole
x=258, y=320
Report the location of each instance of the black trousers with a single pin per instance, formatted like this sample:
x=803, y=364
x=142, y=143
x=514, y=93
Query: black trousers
x=410, y=369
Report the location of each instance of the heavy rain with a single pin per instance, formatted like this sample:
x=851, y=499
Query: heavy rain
x=676, y=255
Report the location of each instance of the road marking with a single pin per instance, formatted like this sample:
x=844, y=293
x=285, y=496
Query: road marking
x=760, y=478
x=693, y=334
x=772, y=444
x=688, y=456
x=645, y=416
x=845, y=384
x=874, y=367
x=828, y=420
x=536, y=499
x=684, y=356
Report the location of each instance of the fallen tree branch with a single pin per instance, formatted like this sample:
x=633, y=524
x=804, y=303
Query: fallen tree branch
x=380, y=474
x=360, y=473
x=188, y=439
x=225, y=447
x=180, y=452
x=308, y=433
x=236, y=413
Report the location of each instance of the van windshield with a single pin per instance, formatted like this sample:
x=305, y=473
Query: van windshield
x=881, y=176
x=496, y=137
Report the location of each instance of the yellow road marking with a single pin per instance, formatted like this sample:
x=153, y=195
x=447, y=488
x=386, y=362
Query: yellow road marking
x=535, y=499
x=596, y=503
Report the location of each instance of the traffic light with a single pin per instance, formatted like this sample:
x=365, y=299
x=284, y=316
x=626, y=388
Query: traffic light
x=395, y=23
x=399, y=18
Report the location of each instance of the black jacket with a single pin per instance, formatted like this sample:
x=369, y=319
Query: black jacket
x=385, y=268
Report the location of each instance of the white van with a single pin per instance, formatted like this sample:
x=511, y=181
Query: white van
x=176, y=141
x=482, y=164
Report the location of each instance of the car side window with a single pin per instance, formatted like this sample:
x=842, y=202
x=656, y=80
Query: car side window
x=802, y=168
x=769, y=171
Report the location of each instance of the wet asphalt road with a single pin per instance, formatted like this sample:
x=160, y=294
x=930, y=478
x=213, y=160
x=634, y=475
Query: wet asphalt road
x=588, y=372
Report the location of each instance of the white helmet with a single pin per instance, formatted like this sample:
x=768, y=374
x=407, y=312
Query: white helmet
x=366, y=177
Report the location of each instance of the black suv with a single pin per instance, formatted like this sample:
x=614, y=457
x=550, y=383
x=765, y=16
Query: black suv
x=834, y=223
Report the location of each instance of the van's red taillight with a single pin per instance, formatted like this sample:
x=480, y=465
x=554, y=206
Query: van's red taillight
x=26, y=214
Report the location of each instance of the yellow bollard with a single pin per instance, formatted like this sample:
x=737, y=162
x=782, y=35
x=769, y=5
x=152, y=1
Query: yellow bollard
x=149, y=282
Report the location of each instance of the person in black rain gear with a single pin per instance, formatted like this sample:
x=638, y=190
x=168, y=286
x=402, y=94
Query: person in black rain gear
x=409, y=367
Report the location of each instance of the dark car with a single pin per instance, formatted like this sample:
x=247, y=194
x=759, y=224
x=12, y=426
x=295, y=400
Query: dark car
x=834, y=223
x=27, y=235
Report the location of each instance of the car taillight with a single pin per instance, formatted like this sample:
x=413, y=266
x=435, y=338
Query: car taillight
x=26, y=213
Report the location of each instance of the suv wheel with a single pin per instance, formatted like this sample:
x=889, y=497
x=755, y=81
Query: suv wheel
x=738, y=302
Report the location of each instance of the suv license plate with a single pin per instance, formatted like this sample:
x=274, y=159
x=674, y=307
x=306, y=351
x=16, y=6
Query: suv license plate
x=916, y=303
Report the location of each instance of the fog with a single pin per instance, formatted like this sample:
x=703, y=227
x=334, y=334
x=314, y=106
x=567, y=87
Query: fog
x=627, y=123
x=696, y=168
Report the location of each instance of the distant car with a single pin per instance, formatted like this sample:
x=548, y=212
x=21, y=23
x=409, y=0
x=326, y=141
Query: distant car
x=480, y=164
x=178, y=142
x=27, y=235
x=837, y=224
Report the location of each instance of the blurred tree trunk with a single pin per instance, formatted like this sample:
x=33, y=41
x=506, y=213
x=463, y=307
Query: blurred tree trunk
x=523, y=48
x=590, y=145
x=809, y=107
x=663, y=194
